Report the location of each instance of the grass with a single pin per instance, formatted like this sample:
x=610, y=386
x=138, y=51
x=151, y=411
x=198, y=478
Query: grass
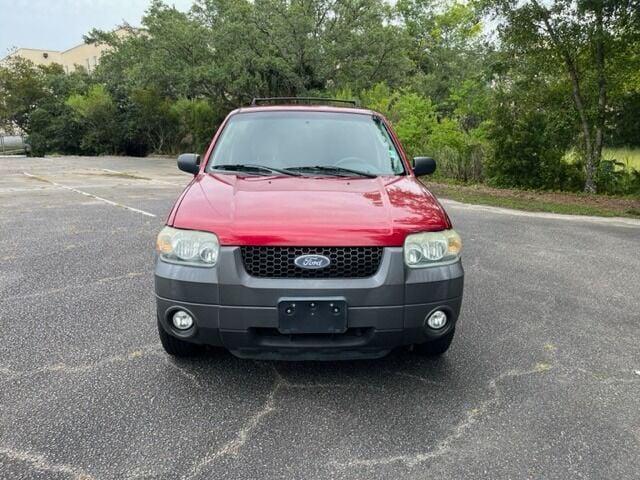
x=552, y=202
x=629, y=156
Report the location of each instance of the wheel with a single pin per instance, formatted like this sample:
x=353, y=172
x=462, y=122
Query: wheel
x=175, y=346
x=437, y=347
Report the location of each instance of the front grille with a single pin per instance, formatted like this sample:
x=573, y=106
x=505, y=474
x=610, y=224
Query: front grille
x=278, y=262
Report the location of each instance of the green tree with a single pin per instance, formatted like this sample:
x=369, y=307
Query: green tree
x=152, y=124
x=460, y=154
x=32, y=100
x=229, y=51
x=580, y=38
x=445, y=47
x=528, y=148
x=97, y=110
x=22, y=87
x=53, y=125
x=196, y=123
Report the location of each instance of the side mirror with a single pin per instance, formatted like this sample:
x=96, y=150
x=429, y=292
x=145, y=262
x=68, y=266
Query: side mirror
x=189, y=162
x=423, y=166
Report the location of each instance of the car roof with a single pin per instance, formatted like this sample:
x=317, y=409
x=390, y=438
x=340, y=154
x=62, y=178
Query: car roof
x=304, y=108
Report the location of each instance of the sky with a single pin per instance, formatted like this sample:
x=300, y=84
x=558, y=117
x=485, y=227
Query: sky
x=60, y=24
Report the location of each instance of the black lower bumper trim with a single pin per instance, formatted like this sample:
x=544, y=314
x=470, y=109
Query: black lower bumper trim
x=367, y=337
x=309, y=355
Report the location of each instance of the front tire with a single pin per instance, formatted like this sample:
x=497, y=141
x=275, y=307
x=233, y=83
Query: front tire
x=176, y=347
x=437, y=347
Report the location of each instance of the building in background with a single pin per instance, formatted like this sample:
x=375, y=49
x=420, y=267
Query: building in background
x=86, y=55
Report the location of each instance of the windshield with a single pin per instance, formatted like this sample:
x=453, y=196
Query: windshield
x=307, y=142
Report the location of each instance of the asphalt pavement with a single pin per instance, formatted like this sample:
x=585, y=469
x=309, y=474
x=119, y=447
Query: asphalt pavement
x=542, y=380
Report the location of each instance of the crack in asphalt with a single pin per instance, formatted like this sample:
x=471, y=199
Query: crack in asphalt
x=70, y=287
x=605, y=378
x=472, y=416
x=40, y=463
x=428, y=381
x=233, y=446
x=446, y=445
x=153, y=348
x=180, y=369
x=138, y=177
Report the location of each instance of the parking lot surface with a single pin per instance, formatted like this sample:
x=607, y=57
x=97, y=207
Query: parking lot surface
x=542, y=380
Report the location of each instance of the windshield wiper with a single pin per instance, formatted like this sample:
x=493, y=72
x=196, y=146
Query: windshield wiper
x=249, y=167
x=333, y=169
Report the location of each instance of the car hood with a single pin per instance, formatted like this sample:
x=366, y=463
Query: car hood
x=308, y=211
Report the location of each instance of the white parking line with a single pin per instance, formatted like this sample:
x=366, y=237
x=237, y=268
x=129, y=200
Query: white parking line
x=87, y=194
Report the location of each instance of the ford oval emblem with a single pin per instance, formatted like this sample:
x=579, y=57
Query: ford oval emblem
x=312, y=261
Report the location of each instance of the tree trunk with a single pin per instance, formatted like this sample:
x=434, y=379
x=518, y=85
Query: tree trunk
x=596, y=154
x=589, y=147
x=593, y=149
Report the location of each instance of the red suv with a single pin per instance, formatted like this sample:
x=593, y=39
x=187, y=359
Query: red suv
x=305, y=234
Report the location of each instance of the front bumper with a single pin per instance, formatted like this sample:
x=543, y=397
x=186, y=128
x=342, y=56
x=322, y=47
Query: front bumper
x=239, y=312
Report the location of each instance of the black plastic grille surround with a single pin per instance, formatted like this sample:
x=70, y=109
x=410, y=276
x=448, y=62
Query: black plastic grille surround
x=278, y=262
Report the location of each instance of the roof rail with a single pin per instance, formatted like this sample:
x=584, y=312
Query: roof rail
x=307, y=100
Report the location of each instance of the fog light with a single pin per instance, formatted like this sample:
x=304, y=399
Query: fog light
x=437, y=319
x=182, y=320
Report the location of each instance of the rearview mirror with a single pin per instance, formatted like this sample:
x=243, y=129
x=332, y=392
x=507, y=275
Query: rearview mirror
x=189, y=162
x=423, y=166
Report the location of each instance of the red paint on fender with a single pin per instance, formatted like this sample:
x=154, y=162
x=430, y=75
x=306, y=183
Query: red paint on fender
x=308, y=211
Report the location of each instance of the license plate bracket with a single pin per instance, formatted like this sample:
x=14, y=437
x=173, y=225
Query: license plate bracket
x=311, y=315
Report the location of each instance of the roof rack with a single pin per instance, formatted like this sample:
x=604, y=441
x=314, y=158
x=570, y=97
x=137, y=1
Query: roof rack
x=307, y=100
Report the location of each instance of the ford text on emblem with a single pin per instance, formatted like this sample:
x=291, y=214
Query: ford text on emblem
x=312, y=261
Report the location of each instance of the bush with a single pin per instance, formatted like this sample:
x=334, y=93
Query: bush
x=529, y=152
x=414, y=120
x=153, y=126
x=413, y=116
x=196, y=124
x=98, y=111
x=615, y=178
x=55, y=129
x=459, y=154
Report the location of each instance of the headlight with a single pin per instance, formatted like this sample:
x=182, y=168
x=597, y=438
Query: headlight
x=432, y=248
x=188, y=247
